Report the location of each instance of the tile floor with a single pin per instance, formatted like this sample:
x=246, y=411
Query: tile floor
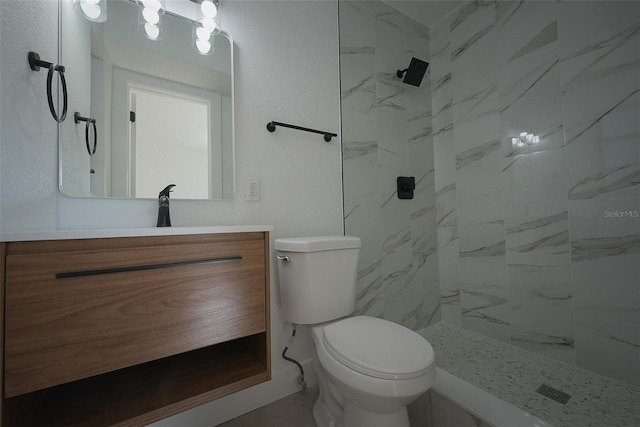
x=292, y=411
x=296, y=411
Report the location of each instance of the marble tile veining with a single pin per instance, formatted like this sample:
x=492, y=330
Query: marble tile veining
x=541, y=305
x=387, y=130
x=600, y=70
x=539, y=240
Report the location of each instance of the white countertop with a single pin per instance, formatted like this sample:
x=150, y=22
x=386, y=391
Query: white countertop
x=22, y=236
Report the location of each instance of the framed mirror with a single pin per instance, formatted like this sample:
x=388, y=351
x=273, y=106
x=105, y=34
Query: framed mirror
x=163, y=113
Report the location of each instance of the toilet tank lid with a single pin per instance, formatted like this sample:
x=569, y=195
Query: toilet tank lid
x=316, y=243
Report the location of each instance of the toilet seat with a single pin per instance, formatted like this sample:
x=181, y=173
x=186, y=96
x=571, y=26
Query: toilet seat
x=378, y=348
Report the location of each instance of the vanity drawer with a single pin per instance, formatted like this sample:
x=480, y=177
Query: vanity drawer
x=78, y=313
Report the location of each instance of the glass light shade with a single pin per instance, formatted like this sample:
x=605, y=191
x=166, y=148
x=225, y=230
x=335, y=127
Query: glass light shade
x=202, y=34
x=209, y=24
x=206, y=27
x=152, y=31
x=91, y=10
x=150, y=24
x=208, y=8
x=203, y=39
x=203, y=46
x=151, y=16
x=155, y=5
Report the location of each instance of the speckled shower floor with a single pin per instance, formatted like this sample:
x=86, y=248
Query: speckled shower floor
x=513, y=375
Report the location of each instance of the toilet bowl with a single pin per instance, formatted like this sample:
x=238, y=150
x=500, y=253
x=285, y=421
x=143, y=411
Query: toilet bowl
x=371, y=369
x=368, y=369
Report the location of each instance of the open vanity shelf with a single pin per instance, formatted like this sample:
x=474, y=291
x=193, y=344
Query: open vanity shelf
x=127, y=331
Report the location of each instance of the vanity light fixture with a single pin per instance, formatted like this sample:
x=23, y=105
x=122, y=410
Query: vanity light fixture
x=150, y=18
x=92, y=10
x=206, y=27
x=150, y=14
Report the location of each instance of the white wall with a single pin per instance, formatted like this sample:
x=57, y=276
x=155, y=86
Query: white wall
x=28, y=149
x=286, y=69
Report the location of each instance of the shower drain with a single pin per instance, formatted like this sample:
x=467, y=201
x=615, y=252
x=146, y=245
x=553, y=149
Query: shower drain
x=553, y=394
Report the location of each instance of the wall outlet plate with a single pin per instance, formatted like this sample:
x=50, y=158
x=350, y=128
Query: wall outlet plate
x=251, y=189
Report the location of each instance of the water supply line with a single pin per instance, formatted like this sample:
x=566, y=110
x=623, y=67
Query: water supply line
x=300, y=378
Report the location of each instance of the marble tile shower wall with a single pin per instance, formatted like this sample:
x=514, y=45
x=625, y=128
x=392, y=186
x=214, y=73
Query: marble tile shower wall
x=539, y=244
x=386, y=133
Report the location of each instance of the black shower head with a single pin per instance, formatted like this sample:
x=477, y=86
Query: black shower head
x=415, y=72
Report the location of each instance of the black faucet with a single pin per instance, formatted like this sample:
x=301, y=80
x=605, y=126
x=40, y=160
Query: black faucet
x=164, y=220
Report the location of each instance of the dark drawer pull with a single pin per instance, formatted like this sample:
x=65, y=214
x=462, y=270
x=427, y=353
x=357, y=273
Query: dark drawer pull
x=144, y=267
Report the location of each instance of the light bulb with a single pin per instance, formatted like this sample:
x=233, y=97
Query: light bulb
x=202, y=33
x=210, y=25
x=155, y=5
x=92, y=10
x=203, y=46
x=208, y=8
x=150, y=15
x=152, y=31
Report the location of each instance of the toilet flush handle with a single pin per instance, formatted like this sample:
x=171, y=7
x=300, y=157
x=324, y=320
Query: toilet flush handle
x=283, y=258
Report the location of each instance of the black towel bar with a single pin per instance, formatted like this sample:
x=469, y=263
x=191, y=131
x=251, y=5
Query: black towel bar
x=271, y=127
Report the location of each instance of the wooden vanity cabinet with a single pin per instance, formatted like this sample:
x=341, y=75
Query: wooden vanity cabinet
x=127, y=331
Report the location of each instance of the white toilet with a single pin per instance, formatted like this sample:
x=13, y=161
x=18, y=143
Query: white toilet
x=368, y=369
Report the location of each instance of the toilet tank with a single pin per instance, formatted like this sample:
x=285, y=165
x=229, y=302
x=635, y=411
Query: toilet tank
x=317, y=277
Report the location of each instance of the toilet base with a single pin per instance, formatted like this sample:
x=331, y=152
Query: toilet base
x=327, y=412
x=322, y=417
x=355, y=416
x=335, y=409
